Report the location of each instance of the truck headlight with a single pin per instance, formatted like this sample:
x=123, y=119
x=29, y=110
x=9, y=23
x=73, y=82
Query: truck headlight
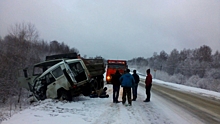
x=108, y=78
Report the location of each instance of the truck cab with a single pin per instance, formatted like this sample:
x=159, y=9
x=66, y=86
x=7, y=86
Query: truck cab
x=112, y=66
x=57, y=79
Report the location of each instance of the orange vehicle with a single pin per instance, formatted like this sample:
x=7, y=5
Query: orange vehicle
x=112, y=66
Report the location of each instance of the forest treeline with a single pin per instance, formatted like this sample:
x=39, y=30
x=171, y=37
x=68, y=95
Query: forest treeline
x=193, y=67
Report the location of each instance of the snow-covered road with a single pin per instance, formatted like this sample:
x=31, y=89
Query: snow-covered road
x=85, y=110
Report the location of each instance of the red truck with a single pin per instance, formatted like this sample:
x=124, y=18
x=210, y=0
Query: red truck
x=112, y=66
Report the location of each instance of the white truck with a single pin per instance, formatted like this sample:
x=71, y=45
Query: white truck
x=64, y=76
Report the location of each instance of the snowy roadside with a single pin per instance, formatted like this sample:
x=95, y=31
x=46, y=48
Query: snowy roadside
x=85, y=110
x=202, y=92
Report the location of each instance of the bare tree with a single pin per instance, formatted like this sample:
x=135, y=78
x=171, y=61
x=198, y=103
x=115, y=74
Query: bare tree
x=24, y=31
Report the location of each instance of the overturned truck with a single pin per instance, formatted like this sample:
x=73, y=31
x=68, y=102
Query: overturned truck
x=64, y=76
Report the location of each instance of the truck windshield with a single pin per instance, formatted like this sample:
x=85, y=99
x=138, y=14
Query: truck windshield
x=117, y=66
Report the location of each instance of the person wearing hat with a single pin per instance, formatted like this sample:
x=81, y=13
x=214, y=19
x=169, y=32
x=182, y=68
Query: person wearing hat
x=148, y=85
x=127, y=81
x=134, y=88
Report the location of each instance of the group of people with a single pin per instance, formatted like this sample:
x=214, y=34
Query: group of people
x=128, y=82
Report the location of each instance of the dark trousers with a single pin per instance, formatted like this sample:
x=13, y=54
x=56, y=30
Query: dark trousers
x=115, y=93
x=148, y=88
x=134, y=92
x=126, y=92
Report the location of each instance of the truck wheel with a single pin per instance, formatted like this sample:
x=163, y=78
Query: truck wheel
x=64, y=95
x=95, y=85
x=101, y=83
x=86, y=90
x=42, y=93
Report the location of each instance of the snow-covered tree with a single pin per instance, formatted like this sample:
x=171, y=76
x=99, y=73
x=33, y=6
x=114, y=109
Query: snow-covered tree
x=172, y=62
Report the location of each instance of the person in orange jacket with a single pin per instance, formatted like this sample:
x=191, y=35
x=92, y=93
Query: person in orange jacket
x=148, y=85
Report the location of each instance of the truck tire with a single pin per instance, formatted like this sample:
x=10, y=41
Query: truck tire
x=95, y=85
x=101, y=83
x=87, y=90
x=42, y=93
x=64, y=95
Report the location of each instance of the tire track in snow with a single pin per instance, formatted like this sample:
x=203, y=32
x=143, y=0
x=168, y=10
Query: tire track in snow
x=109, y=116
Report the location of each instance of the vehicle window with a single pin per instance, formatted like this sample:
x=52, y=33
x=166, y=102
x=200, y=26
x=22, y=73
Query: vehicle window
x=49, y=78
x=76, y=68
x=78, y=71
x=57, y=72
x=117, y=66
x=79, y=67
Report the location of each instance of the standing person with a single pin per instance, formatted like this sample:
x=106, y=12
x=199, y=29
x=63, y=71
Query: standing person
x=134, y=88
x=127, y=81
x=148, y=84
x=116, y=86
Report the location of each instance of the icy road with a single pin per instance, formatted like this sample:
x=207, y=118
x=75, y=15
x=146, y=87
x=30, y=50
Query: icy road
x=85, y=110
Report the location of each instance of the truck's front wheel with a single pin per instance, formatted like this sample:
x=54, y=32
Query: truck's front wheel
x=94, y=85
x=86, y=90
x=101, y=83
x=64, y=95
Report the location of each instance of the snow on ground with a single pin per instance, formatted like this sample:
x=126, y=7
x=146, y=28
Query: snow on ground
x=200, y=91
x=85, y=110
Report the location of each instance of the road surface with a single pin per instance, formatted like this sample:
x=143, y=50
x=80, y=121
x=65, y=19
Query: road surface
x=204, y=108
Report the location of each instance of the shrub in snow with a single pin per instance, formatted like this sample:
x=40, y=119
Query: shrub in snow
x=161, y=75
x=174, y=79
x=213, y=84
x=180, y=77
x=218, y=88
x=192, y=81
x=213, y=73
x=203, y=83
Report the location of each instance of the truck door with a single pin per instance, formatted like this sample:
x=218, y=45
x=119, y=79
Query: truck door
x=78, y=71
x=68, y=73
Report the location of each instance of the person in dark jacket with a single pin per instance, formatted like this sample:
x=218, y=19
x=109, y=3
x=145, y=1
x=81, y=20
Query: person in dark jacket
x=134, y=88
x=127, y=81
x=116, y=86
x=102, y=93
x=148, y=85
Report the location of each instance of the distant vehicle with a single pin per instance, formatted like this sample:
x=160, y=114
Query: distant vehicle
x=64, y=76
x=112, y=66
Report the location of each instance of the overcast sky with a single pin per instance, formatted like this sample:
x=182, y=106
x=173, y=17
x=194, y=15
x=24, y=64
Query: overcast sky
x=119, y=29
